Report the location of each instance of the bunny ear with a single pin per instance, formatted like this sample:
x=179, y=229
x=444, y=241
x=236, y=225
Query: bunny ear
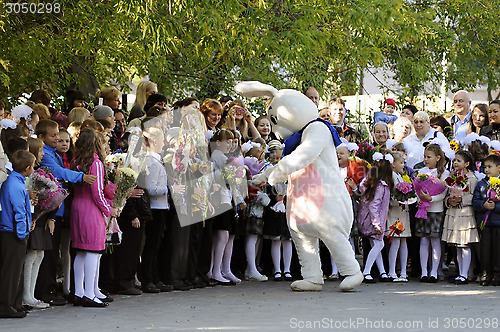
x=252, y=89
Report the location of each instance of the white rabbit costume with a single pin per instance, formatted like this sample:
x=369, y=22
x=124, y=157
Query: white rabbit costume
x=318, y=205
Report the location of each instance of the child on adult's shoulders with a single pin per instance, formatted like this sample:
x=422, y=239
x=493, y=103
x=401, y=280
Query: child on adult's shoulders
x=387, y=114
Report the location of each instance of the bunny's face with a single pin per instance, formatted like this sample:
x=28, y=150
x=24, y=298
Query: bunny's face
x=289, y=111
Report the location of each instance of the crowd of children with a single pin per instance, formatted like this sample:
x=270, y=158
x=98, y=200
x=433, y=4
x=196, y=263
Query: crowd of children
x=239, y=222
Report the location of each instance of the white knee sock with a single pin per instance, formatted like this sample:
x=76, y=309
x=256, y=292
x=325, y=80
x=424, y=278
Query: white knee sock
x=287, y=255
x=466, y=259
x=28, y=269
x=459, y=260
x=89, y=270
x=424, y=255
x=276, y=254
x=34, y=272
x=220, y=246
x=66, y=260
x=436, y=255
x=250, y=246
x=403, y=256
x=377, y=246
x=335, y=270
x=393, y=255
x=226, y=260
x=97, y=290
x=78, y=269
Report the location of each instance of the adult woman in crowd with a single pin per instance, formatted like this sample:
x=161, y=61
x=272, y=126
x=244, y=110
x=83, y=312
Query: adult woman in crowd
x=380, y=134
x=144, y=90
x=492, y=131
x=72, y=99
x=402, y=128
x=42, y=111
x=478, y=118
x=440, y=124
x=111, y=97
x=212, y=112
x=239, y=118
x=408, y=112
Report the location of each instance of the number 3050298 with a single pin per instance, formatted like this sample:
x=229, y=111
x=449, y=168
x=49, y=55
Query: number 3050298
x=33, y=8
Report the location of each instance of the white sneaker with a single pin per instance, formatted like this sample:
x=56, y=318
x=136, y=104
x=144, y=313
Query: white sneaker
x=37, y=304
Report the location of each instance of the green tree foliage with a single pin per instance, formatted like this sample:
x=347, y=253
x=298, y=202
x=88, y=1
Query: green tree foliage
x=202, y=47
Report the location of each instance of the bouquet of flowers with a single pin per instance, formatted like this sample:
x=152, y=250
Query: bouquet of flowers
x=235, y=175
x=50, y=192
x=395, y=229
x=357, y=168
x=404, y=193
x=457, y=183
x=431, y=184
x=493, y=194
x=454, y=146
x=366, y=151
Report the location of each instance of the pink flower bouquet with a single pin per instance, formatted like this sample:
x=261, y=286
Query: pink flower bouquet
x=50, y=192
x=404, y=193
x=432, y=185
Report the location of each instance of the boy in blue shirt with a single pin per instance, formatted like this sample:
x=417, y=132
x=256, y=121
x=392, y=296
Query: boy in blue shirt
x=490, y=235
x=15, y=225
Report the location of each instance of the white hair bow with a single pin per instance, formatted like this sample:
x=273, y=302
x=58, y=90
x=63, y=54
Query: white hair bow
x=247, y=146
x=470, y=138
x=495, y=145
x=8, y=123
x=377, y=156
x=21, y=112
x=209, y=135
x=349, y=146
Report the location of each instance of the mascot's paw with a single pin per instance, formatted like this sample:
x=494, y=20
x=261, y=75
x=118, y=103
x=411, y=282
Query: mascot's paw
x=305, y=286
x=259, y=179
x=351, y=282
x=277, y=175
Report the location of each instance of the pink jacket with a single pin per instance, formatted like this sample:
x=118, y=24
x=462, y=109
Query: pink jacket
x=89, y=212
x=374, y=213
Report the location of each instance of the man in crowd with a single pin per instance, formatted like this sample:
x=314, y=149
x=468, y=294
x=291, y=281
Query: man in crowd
x=337, y=118
x=325, y=114
x=461, y=104
x=312, y=94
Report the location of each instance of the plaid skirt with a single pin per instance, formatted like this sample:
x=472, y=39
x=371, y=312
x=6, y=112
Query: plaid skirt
x=432, y=226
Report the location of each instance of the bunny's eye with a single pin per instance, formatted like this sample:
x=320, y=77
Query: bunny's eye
x=273, y=119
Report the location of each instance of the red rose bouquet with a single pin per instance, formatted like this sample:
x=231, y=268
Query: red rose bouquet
x=458, y=184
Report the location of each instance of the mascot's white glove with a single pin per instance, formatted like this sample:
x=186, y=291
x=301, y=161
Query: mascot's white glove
x=277, y=175
x=261, y=178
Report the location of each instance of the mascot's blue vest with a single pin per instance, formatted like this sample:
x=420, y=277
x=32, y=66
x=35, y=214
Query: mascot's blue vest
x=293, y=141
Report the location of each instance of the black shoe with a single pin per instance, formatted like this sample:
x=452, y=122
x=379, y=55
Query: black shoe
x=211, y=283
x=180, y=285
x=77, y=301
x=385, y=278
x=485, y=282
x=424, y=279
x=106, y=299
x=368, y=279
x=225, y=283
x=432, y=280
x=198, y=283
x=163, y=288
x=461, y=281
x=12, y=313
x=86, y=302
x=130, y=291
x=56, y=302
x=150, y=288
x=495, y=282
x=277, y=276
x=287, y=276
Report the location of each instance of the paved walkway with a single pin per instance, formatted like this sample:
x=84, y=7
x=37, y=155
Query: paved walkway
x=271, y=306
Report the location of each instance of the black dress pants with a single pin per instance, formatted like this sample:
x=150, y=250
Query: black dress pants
x=153, y=235
x=13, y=252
